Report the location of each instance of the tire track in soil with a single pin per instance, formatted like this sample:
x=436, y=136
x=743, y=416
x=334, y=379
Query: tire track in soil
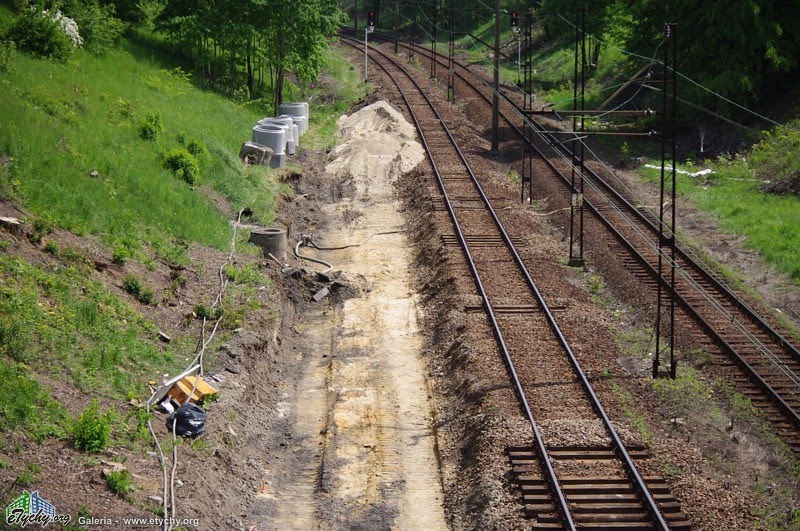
x=363, y=450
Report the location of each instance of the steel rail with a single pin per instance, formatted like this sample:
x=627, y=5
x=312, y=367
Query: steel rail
x=630, y=468
x=770, y=392
x=550, y=471
x=687, y=254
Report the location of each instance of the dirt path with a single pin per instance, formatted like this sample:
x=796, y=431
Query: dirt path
x=362, y=451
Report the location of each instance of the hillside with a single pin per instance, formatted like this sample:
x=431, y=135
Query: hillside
x=111, y=279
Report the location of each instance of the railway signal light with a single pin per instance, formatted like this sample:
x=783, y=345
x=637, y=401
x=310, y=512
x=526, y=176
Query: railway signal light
x=371, y=18
x=514, y=21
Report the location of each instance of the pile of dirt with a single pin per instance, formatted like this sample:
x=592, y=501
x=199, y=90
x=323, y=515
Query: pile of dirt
x=376, y=143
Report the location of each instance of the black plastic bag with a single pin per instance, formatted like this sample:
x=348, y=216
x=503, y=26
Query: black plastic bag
x=189, y=419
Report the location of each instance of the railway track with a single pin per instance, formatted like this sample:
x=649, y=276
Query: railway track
x=755, y=354
x=562, y=484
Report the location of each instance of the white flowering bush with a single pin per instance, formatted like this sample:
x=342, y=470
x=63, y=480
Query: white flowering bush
x=40, y=34
x=69, y=27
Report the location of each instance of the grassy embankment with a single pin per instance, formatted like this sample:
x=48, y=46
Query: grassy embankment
x=769, y=222
x=60, y=123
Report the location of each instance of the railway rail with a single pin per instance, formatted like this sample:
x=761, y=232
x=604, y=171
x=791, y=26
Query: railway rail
x=604, y=488
x=756, y=354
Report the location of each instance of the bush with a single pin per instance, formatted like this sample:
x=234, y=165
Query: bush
x=151, y=127
x=41, y=228
x=92, y=431
x=39, y=34
x=120, y=483
x=120, y=256
x=6, y=55
x=99, y=25
x=777, y=155
x=52, y=248
x=28, y=476
x=132, y=285
x=202, y=311
x=182, y=164
x=146, y=296
x=197, y=148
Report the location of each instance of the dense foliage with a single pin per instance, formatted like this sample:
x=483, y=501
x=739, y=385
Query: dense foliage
x=239, y=44
x=37, y=32
x=732, y=47
x=243, y=48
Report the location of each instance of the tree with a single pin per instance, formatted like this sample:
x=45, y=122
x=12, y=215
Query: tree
x=234, y=42
x=728, y=46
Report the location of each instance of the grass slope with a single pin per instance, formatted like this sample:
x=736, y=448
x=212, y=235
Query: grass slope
x=62, y=122
x=59, y=123
x=769, y=222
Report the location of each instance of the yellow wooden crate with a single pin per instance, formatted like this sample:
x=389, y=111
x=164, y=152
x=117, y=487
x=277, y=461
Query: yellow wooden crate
x=184, y=386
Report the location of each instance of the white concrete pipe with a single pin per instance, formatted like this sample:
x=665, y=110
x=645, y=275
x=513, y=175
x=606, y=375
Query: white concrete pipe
x=273, y=137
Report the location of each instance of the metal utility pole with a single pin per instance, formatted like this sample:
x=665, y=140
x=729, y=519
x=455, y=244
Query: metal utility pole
x=515, y=30
x=414, y=27
x=496, y=84
x=369, y=28
x=451, y=50
x=666, y=236
x=526, y=177
x=434, y=20
x=576, y=204
x=396, y=19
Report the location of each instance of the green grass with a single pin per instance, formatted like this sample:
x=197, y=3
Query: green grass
x=60, y=323
x=555, y=63
x=634, y=415
x=768, y=222
x=84, y=116
x=685, y=395
x=26, y=405
x=341, y=87
x=61, y=123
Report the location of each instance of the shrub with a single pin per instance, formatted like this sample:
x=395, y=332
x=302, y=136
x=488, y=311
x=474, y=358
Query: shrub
x=132, y=285
x=151, y=127
x=51, y=247
x=202, y=311
x=99, y=25
x=146, y=296
x=39, y=34
x=120, y=483
x=197, y=148
x=92, y=431
x=28, y=476
x=182, y=164
x=6, y=55
x=41, y=228
x=120, y=256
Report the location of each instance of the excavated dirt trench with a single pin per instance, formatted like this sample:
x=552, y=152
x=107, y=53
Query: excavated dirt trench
x=361, y=450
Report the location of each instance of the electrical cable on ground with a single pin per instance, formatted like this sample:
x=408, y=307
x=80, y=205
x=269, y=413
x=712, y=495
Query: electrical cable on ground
x=169, y=482
x=304, y=241
x=340, y=247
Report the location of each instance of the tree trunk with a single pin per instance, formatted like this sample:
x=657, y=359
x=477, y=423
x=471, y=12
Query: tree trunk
x=595, y=54
x=249, y=66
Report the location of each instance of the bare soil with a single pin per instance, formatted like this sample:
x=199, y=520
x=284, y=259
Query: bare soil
x=323, y=422
x=702, y=454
